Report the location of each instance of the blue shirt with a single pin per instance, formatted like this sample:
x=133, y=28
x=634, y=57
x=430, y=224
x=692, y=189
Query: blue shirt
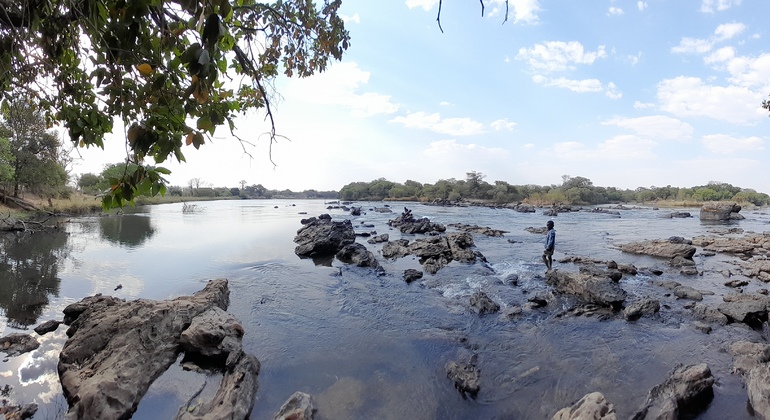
x=550, y=240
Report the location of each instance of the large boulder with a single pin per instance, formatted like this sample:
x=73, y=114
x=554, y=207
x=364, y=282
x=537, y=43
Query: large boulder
x=640, y=308
x=435, y=252
x=592, y=406
x=720, y=211
x=660, y=248
x=749, y=309
x=357, y=254
x=323, y=237
x=16, y=344
x=687, y=389
x=116, y=349
x=600, y=290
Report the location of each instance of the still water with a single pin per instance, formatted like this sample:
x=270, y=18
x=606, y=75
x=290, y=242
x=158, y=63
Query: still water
x=368, y=346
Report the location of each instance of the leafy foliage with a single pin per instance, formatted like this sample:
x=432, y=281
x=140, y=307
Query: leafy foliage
x=574, y=190
x=172, y=71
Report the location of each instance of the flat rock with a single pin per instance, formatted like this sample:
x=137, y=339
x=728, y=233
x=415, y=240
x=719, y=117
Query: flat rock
x=660, y=248
x=16, y=344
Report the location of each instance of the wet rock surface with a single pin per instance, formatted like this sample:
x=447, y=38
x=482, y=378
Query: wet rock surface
x=478, y=229
x=116, y=349
x=600, y=290
x=321, y=236
x=592, y=406
x=435, y=252
x=687, y=389
x=465, y=376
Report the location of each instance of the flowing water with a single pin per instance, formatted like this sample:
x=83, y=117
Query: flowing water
x=369, y=346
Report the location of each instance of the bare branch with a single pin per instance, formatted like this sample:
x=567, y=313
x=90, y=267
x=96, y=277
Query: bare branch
x=438, y=18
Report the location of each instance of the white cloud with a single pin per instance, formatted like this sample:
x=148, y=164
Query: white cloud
x=462, y=152
x=749, y=71
x=425, y=4
x=579, y=86
x=690, y=97
x=615, y=11
x=729, y=30
x=643, y=105
x=617, y=148
x=721, y=55
x=355, y=18
x=709, y=6
x=655, y=127
x=444, y=103
x=433, y=122
x=634, y=59
x=503, y=124
x=726, y=144
x=340, y=85
x=641, y=5
x=693, y=46
x=559, y=56
x=521, y=11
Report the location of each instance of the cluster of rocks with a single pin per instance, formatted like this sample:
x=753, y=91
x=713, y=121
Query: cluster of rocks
x=720, y=211
x=435, y=252
x=687, y=390
x=478, y=229
x=408, y=224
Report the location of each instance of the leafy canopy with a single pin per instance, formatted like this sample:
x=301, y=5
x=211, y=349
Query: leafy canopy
x=172, y=71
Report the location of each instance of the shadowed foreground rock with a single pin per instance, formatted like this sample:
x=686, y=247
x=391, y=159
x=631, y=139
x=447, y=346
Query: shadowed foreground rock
x=687, y=389
x=592, y=406
x=116, y=349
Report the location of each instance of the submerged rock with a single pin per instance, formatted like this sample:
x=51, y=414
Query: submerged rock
x=465, y=376
x=116, y=349
x=483, y=304
x=411, y=275
x=357, y=254
x=641, y=308
x=16, y=344
x=687, y=389
x=592, y=406
x=322, y=237
x=298, y=407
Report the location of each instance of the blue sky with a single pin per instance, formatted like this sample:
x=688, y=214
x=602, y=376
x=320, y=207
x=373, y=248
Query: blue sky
x=625, y=93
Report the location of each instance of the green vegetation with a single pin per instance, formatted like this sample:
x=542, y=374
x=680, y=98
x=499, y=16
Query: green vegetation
x=573, y=190
x=163, y=69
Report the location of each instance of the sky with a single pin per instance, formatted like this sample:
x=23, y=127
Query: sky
x=625, y=93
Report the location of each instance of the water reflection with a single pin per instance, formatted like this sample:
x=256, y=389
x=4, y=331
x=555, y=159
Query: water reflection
x=129, y=230
x=29, y=274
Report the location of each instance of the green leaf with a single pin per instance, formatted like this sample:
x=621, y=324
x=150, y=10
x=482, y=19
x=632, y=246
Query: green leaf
x=204, y=123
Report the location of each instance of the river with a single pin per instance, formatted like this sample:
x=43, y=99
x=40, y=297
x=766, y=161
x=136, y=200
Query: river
x=369, y=346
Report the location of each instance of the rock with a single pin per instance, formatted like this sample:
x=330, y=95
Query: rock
x=746, y=308
x=323, y=237
x=465, y=377
x=214, y=334
x=395, y=249
x=537, y=230
x=357, y=254
x=478, y=229
x=592, y=406
x=406, y=223
x=641, y=308
x=702, y=327
x=355, y=211
x=16, y=344
x=612, y=265
x=116, y=349
x=48, y=326
x=411, y=275
x=550, y=213
x=687, y=389
x=627, y=269
x=593, y=289
x=720, y=211
x=483, y=304
x=512, y=279
x=512, y=312
x=298, y=407
x=659, y=248
x=537, y=302
x=709, y=314
x=613, y=275
x=379, y=239
x=749, y=244
x=748, y=355
x=18, y=412
x=679, y=214
x=736, y=283
x=524, y=208
x=758, y=388
x=687, y=292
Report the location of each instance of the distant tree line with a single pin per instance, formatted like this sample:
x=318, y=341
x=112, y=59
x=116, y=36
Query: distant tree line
x=573, y=190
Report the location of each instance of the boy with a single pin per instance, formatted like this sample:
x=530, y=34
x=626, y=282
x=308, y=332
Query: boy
x=550, y=244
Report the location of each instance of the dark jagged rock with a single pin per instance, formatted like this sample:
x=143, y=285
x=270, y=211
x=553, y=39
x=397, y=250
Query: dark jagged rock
x=749, y=309
x=709, y=314
x=478, y=229
x=613, y=275
x=641, y=308
x=465, y=376
x=687, y=389
x=592, y=406
x=322, y=237
x=436, y=251
x=357, y=254
x=48, y=326
x=16, y=344
x=720, y=211
x=379, y=239
x=116, y=349
x=600, y=290
x=407, y=223
x=298, y=407
x=411, y=275
x=483, y=304
x=18, y=412
x=396, y=249
x=660, y=248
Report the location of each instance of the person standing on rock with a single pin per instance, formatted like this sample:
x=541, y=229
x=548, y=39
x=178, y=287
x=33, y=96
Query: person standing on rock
x=550, y=245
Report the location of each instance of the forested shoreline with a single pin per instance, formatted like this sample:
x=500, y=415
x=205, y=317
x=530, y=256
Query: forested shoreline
x=572, y=190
